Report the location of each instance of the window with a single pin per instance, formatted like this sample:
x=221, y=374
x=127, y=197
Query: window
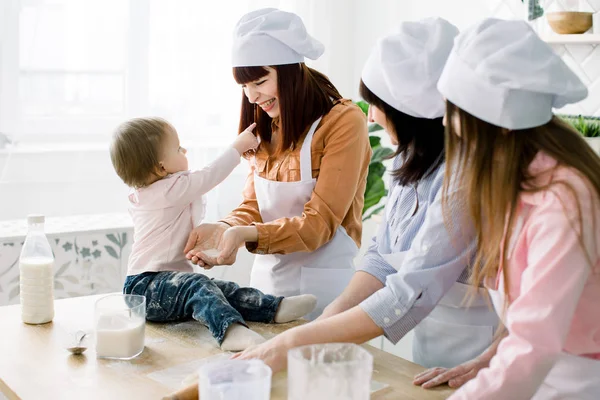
x=71, y=70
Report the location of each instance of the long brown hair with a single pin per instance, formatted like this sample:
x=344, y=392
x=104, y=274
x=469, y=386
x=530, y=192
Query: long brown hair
x=489, y=165
x=304, y=95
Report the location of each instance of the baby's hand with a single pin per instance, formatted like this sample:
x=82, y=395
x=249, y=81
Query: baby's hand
x=246, y=140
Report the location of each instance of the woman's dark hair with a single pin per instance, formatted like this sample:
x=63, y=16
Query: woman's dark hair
x=304, y=95
x=420, y=140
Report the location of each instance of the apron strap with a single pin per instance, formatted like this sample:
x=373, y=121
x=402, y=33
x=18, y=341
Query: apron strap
x=305, y=157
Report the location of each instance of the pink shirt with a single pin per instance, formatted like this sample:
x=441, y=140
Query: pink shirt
x=165, y=212
x=554, y=287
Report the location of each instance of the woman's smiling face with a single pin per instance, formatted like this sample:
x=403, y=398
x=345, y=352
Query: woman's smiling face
x=263, y=92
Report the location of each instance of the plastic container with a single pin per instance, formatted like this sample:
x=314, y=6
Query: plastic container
x=333, y=371
x=235, y=380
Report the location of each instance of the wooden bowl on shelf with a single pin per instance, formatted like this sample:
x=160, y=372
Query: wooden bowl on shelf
x=569, y=22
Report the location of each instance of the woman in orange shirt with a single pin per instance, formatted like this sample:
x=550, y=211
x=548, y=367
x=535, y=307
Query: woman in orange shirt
x=303, y=199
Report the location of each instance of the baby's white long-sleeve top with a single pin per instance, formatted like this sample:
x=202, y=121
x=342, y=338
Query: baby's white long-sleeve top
x=165, y=213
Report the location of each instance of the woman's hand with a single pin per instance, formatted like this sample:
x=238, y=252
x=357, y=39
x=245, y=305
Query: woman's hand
x=273, y=353
x=461, y=374
x=202, y=238
x=455, y=377
x=232, y=239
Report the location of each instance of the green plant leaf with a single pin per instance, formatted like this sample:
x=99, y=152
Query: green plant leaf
x=376, y=169
x=374, y=141
x=373, y=201
x=586, y=126
x=363, y=105
x=375, y=128
x=376, y=189
x=380, y=154
x=374, y=194
x=58, y=285
x=373, y=212
x=535, y=9
x=123, y=239
x=111, y=251
x=113, y=239
x=371, y=179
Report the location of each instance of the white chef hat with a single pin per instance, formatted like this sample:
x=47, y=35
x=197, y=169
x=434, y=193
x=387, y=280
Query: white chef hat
x=503, y=73
x=404, y=67
x=272, y=37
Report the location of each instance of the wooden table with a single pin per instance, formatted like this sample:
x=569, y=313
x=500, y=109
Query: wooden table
x=35, y=365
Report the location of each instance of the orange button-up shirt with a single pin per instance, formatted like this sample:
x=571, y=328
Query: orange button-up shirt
x=340, y=153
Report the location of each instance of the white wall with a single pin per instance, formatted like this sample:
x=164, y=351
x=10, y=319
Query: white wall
x=377, y=18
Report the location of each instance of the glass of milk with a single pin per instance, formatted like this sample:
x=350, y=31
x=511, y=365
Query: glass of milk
x=119, y=321
x=332, y=371
x=235, y=380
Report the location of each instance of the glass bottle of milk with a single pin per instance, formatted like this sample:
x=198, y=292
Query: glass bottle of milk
x=36, y=274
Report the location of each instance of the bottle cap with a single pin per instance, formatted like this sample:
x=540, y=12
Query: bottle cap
x=35, y=219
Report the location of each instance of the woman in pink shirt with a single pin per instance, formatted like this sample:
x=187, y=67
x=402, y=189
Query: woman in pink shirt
x=533, y=188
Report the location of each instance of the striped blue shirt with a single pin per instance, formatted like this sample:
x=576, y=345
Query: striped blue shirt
x=434, y=259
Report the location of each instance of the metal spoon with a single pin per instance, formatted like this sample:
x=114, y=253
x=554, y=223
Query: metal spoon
x=78, y=348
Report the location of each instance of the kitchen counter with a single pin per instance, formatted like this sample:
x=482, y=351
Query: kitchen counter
x=35, y=365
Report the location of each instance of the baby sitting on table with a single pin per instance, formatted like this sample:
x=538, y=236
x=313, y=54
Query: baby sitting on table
x=165, y=203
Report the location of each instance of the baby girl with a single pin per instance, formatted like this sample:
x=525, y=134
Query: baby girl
x=165, y=203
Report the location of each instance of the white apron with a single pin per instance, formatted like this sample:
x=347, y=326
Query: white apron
x=571, y=377
x=324, y=272
x=452, y=333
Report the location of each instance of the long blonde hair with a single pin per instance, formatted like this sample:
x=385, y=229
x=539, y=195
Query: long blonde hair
x=489, y=165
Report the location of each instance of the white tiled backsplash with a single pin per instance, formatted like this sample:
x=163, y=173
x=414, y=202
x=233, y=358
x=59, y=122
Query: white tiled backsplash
x=583, y=59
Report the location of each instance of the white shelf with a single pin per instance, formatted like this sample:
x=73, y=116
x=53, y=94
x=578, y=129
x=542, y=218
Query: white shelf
x=584, y=38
